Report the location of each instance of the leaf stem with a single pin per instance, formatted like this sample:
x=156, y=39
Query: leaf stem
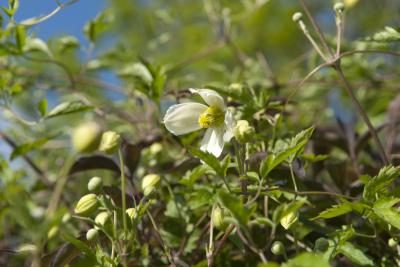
x=123, y=189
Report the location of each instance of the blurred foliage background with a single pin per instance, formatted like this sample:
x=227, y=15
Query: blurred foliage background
x=132, y=60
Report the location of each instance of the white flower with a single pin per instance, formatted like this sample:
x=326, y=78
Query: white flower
x=216, y=118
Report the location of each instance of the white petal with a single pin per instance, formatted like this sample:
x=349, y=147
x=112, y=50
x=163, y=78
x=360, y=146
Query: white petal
x=183, y=118
x=211, y=97
x=213, y=141
x=229, y=124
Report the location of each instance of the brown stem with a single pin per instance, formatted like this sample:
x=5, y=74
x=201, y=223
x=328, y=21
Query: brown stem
x=362, y=112
x=221, y=243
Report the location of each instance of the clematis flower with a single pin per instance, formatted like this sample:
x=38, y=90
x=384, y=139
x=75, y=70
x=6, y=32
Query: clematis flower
x=214, y=117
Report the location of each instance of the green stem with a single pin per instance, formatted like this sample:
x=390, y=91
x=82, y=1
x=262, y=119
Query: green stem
x=293, y=178
x=123, y=187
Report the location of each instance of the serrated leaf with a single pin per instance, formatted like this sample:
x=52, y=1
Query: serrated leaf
x=296, y=145
x=383, y=209
x=334, y=211
x=307, y=259
x=234, y=205
x=209, y=159
x=68, y=108
x=379, y=183
x=355, y=254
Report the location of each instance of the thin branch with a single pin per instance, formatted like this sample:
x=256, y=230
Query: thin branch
x=221, y=243
x=28, y=160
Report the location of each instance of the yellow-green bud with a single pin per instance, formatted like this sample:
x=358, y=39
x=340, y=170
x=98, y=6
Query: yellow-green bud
x=297, y=16
x=66, y=217
x=109, y=142
x=321, y=245
x=131, y=213
x=236, y=87
x=27, y=248
x=155, y=148
x=218, y=218
x=149, y=183
x=86, y=205
x=243, y=132
x=86, y=137
x=392, y=243
x=95, y=184
x=288, y=220
x=277, y=248
x=52, y=232
x=339, y=7
x=102, y=218
x=92, y=234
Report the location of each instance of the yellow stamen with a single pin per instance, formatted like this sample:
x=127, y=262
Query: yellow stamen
x=211, y=117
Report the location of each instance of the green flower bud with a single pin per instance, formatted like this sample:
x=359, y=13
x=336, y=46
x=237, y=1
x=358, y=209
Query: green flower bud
x=66, y=217
x=339, y=7
x=86, y=137
x=102, y=218
x=297, y=16
x=92, y=234
x=236, y=87
x=131, y=213
x=321, y=245
x=86, y=205
x=288, y=220
x=52, y=232
x=155, y=148
x=150, y=183
x=243, y=132
x=277, y=248
x=218, y=218
x=392, y=242
x=109, y=142
x=95, y=184
x=27, y=248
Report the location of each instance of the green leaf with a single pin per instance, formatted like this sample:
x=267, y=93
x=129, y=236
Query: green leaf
x=334, y=211
x=94, y=28
x=192, y=176
x=27, y=147
x=355, y=254
x=42, y=107
x=68, y=108
x=307, y=259
x=208, y=159
x=239, y=212
x=383, y=209
x=79, y=245
x=297, y=144
x=379, y=183
x=20, y=37
x=37, y=45
x=389, y=34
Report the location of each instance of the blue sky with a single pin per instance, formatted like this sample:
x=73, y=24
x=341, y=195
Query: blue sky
x=69, y=20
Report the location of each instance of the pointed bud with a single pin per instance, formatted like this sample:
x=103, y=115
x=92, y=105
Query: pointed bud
x=86, y=205
x=150, y=183
x=131, y=212
x=95, y=184
x=52, y=232
x=218, y=218
x=297, y=16
x=102, y=218
x=92, y=234
x=66, y=217
x=243, y=132
x=86, y=137
x=110, y=142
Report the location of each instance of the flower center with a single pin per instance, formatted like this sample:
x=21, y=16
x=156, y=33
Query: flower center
x=211, y=117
